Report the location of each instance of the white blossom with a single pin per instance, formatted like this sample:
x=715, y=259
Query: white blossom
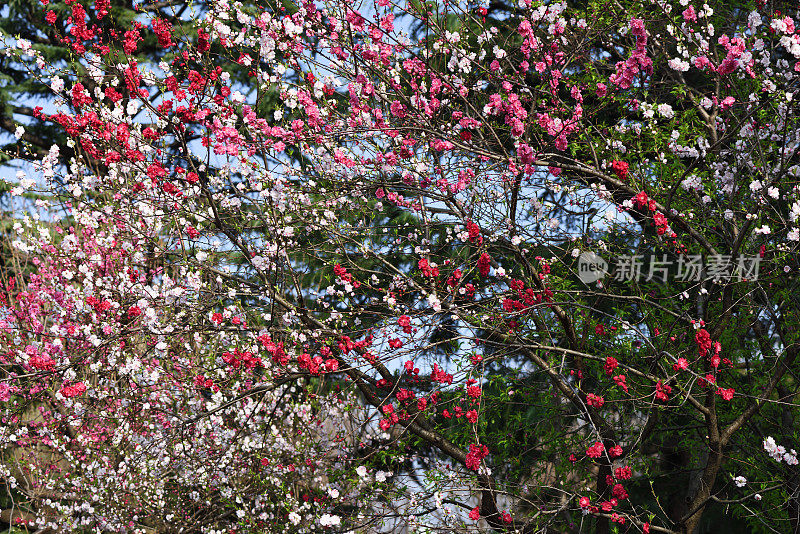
x=328, y=520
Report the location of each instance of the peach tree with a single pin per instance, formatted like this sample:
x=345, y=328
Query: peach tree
x=463, y=266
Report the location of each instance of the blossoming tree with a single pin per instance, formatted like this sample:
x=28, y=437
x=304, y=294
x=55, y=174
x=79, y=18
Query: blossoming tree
x=438, y=266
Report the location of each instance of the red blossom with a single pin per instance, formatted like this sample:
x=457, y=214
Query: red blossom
x=663, y=391
x=404, y=321
x=620, y=169
x=163, y=30
x=620, y=381
x=619, y=492
x=681, y=364
x=475, y=455
x=595, y=400
x=484, y=264
x=474, y=232
x=80, y=97
x=726, y=394
x=73, y=390
x=623, y=473
x=102, y=7
x=703, y=339
x=596, y=450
